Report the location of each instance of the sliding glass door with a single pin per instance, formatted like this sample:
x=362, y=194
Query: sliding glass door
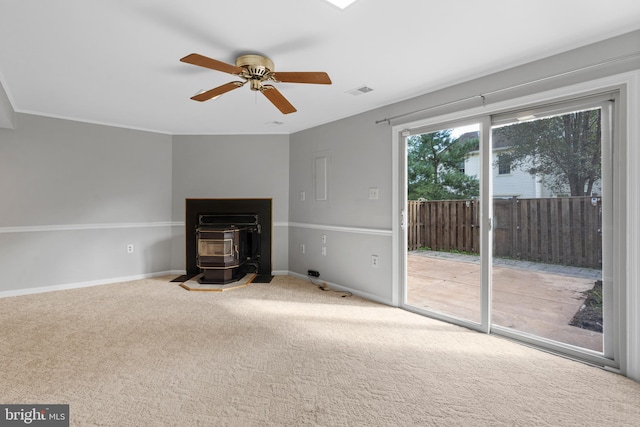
x=551, y=193
x=508, y=225
x=443, y=257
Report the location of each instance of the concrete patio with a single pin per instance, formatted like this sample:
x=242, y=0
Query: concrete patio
x=539, y=299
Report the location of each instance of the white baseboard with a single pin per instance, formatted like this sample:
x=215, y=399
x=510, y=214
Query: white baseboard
x=42, y=289
x=356, y=292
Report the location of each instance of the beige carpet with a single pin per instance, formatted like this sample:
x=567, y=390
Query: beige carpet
x=150, y=353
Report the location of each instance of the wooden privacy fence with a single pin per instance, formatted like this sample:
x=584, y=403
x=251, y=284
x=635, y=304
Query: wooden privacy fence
x=566, y=230
x=444, y=225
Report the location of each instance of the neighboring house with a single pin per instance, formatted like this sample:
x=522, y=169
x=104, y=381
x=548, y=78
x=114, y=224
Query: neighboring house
x=509, y=181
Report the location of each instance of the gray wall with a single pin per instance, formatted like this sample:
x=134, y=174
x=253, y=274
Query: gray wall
x=74, y=195
x=7, y=115
x=232, y=167
x=356, y=227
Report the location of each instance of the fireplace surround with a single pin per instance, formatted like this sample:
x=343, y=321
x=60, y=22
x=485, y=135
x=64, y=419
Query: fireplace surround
x=226, y=238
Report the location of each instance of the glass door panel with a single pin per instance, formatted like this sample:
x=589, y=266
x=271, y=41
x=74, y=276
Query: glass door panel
x=443, y=253
x=548, y=186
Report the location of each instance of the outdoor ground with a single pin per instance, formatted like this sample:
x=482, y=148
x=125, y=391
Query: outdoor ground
x=540, y=299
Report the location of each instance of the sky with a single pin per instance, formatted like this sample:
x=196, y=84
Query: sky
x=456, y=132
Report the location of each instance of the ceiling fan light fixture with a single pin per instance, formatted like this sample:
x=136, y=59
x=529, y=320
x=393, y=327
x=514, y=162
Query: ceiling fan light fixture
x=342, y=4
x=255, y=84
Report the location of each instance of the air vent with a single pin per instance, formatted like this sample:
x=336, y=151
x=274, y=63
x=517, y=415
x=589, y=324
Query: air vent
x=360, y=90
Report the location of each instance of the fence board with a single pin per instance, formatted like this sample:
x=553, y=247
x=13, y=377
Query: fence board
x=534, y=222
x=565, y=212
x=543, y=214
x=523, y=210
x=554, y=230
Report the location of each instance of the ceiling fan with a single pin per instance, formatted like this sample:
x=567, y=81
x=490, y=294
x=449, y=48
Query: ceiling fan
x=255, y=70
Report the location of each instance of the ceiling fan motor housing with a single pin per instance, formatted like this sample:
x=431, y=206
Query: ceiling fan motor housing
x=256, y=68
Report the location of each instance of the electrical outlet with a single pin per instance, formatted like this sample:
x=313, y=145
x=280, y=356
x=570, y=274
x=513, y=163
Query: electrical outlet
x=375, y=262
x=302, y=249
x=130, y=248
x=313, y=273
x=373, y=193
x=324, y=251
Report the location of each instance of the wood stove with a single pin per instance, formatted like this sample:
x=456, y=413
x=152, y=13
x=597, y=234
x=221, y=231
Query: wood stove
x=220, y=254
x=225, y=247
x=236, y=239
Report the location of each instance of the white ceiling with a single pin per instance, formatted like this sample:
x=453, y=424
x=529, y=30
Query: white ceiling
x=117, y=61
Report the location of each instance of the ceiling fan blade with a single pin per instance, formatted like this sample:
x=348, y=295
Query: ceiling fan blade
x=214, y=64
x=320, y=77
x=277, y=99
x=204, y=96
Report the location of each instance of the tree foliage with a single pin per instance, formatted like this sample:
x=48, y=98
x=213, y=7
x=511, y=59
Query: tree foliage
x=565, y=150
x=434, y=163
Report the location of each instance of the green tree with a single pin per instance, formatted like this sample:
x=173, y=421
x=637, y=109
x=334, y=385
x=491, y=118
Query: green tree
x=434, y=167
x=565, y=150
